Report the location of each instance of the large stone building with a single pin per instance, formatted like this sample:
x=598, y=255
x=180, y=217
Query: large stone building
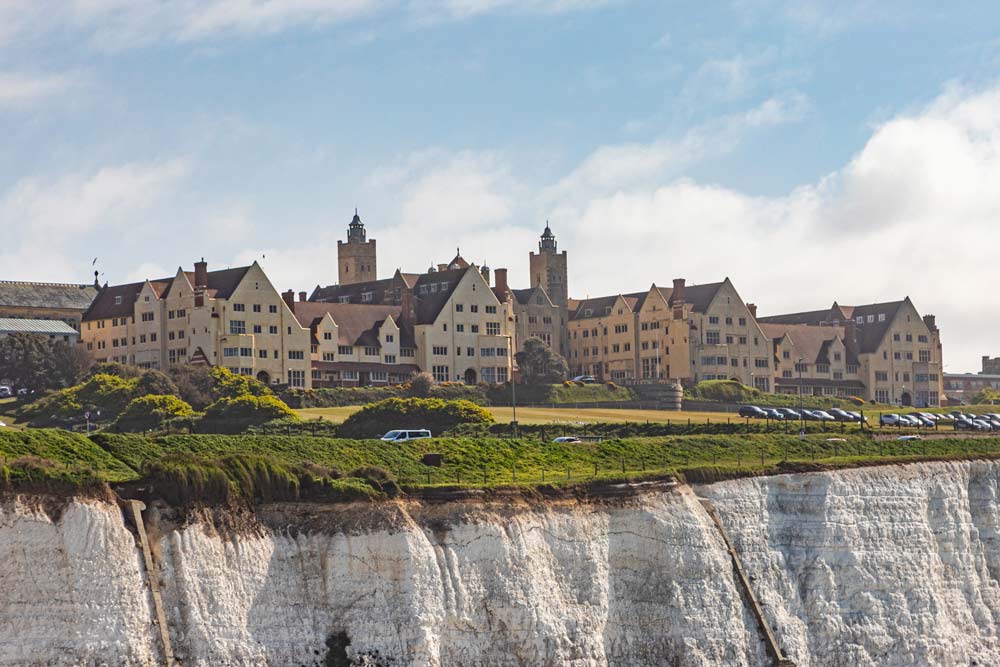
x=356, y=258
x=893, y=352
x=46, y=301
x=821, y=359
x=458, y=329
x=991, y=366
x=686, y=333
x=233, y=318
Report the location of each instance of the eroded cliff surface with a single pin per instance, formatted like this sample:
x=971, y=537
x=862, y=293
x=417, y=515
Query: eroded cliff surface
x=889, y=566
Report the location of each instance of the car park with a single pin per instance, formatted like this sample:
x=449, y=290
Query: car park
x=406, y=435
x=567, y=440
x=752, y=412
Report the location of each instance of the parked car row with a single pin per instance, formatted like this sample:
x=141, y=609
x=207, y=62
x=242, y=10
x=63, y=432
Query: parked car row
x=961, y=421
x=783, y=414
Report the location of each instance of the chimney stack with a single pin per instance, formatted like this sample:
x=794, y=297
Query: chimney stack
x=931, y=322
x=442, y=267
x=752, y=307
x=678, y=294
x=289, y=298
x=201, y=274
x=407, y=314
x=303, y=296
x=501, y=280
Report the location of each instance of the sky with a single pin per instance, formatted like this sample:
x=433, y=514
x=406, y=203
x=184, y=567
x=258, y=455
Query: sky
x=810, y=151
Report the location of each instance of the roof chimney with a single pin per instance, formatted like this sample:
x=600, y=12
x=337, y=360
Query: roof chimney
x=201, y=273
x=407, y=314
x=289, y=298
x=303, y=296
x=931, y=322
x=678, y=293
x=442, y=267
x=501, y=280
x=752, y=307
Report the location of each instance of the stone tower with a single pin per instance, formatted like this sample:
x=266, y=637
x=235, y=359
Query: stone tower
x=548, y=269
x=356, y=257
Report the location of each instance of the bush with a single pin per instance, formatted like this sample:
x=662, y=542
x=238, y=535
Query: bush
x=155, y=383
x=152, y=412
x=420, y=385
x=378, y=478
x=228, y=384
x=235, y=415
x=412, y=413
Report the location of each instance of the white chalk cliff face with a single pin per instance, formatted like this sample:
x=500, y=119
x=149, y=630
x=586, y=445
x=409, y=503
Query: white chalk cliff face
x=877, y=566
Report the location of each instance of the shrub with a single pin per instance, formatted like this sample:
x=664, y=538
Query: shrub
x=235, y=415
x=412, y=413
x=420, y=385
x=194, y=385
x=155, y=383
x=152, y=412
x=230, y=385
x=378, y=478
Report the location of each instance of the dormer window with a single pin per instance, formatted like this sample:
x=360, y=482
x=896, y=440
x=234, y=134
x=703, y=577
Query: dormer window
x=118, y=301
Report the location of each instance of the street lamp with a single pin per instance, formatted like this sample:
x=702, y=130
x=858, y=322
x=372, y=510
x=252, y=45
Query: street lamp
x=802, y=417
x=513, y=384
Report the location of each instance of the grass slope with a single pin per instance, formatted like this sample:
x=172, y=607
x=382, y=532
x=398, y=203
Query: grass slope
x=70, y=451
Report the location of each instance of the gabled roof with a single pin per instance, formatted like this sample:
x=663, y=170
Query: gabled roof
x=46, y=295
x=812, y=342
x=525, y=296
x=357, y=324
x=382, y=291
x=867, y=335
x=433, y=290
x=221, y=285
x=701, y=296
x=458, y=262
x=47, y=327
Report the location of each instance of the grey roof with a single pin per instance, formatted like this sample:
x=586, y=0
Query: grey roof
x=46, y=295
x=16, y=325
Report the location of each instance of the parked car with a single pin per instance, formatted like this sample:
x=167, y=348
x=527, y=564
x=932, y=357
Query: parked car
x=808, y=415
x=822, y=415
x=789, y=413
x=841, y=415
x=890, y=419
x=568, y=439
x=773, y=413
x=585, y=379
x=907, y=420
x=404, y=436
x=858, y=417
x=5, y=391
x=752, y=412
x=963, y=424
x=982, y=425
x=3, y=425
x=909, y=437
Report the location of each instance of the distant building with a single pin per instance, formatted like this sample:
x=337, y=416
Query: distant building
x=991, y=366
x=46, y=301
x=888, y=347
x=686, y=333
x=51, y=329
x=961, y=387
x=233, y=318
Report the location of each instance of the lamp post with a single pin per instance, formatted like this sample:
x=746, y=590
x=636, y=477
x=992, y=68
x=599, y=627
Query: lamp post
x=513, y=383
x=802, y=417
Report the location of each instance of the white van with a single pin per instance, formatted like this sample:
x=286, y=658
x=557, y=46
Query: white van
x=403, y=436
x=5, y=391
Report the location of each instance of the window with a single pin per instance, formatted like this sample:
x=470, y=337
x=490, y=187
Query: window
x=491, y=310
x=712, y=338
x=296, y=378
x=439, y=351
x=389, y=358
x=836, y=356
x=897, y=356
x=713, y=319
x=272, y=308
x=328, y=356
x=273, y=329
x=881, y=395
x=474, y=328
x=371, y=351
x=729, y=339
x=246, y=352
x=871, y=318
x=760, y=362
x=838, y=375
x=258, y=329
x=142, y=338
x=801, y=368
x=146, y=317
x=729, y=320
x=786, y=354
x=239, y=308
x=895, y=337
x=441, y=373
x=345, y=349
x=118, y=300
x=459, y=328
x=237, y=326
x=492, y=328
x=925, y=356
x=909, y=338
x=367, y=297
x=327, y=335
x=473, y=308
x=881, y=376
x=256, y=308
x=616, y=348
x=230, y=351
x=171, y=335
x=621, y=328
x=152, y=338
x=852, y=369
x=743, y=321
x=786, y=374
x=407, y=352
x=262, y=354
x=822, y=368
x=389, y=338
x=881, y=317
x=459, y=307
x=921, y=338
x=296, y=354
x=170, y=314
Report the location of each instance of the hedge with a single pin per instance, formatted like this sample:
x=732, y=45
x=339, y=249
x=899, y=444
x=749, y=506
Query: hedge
x=412, y=413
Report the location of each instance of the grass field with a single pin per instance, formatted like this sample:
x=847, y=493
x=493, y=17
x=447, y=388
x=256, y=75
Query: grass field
x=556, y=415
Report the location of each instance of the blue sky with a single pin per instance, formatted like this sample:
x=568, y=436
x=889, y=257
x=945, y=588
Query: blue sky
x=810, y=151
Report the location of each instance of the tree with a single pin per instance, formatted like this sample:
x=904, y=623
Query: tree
x=420, y=385
x=155, y=383
x=539, y=364
x=35, y=362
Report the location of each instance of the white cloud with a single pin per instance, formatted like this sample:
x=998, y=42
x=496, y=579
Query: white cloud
x=53, y=228
x=19, y=89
